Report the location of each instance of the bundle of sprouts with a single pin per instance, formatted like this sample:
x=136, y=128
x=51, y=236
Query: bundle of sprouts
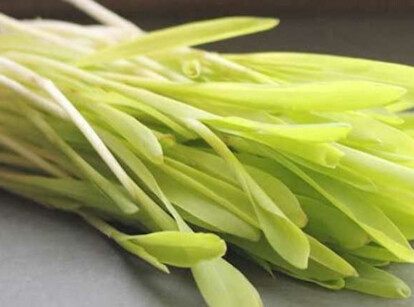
x=302, y=163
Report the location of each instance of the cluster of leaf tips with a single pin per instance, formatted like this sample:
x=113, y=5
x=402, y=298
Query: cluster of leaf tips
x=303, y=163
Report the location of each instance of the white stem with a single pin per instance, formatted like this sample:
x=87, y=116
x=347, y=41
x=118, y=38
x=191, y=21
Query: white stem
x=24, y=72
x=30, y=77
x=104, y=15
x=18, y=26
x=66, y=28
x=90, y=135
x=109, y=18
x=37, y=100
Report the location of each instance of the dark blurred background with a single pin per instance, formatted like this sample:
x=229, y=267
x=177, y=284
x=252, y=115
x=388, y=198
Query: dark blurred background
x=199, y=8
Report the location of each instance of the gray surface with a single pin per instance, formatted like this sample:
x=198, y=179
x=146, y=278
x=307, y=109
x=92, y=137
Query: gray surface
x=48, y=258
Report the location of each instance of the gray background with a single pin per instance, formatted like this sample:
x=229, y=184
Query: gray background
x=49, y=258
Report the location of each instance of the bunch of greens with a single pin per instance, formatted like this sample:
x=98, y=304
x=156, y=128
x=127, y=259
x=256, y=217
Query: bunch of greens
x=302, y=163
